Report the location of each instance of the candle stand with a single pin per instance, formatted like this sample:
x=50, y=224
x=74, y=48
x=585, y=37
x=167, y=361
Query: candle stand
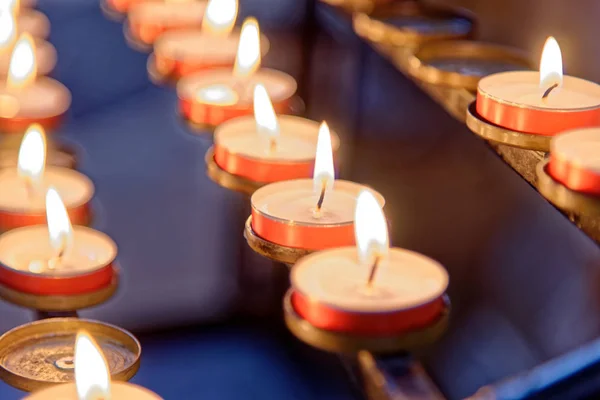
x=40, y=354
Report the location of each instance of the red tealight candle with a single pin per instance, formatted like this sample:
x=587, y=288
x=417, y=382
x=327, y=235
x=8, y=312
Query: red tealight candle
x=543, y=103
x=268, y=148
x=26, y=98
x=370, y=289
x=213, y=97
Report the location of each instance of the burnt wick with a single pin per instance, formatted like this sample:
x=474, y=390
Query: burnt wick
x=549, y=90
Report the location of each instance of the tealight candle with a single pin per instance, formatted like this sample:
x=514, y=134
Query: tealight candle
x=309, y=214
x=369, y=289
x=148, y=20
x=543, y=103
x=574, y=160
x=268, y=148
x=46, y=53
x=212, y=97
x=56, y=259
x=33, y=22
x=25, y=98
x=22, y=189
x=92, y=379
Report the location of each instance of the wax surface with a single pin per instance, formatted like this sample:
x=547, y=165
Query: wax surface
x=45, y=55
x=297, y=139
x=279, y=85
x=28, y=249
x=119, y=391
x=74, y=188
x=295, y=201
x=33, y=22
x=580, y=147
x=194, y=44
x=428, y=25
x=404, y=279
x=473, y=66
x=168, y=13
x=43, y=98
x=522, y=88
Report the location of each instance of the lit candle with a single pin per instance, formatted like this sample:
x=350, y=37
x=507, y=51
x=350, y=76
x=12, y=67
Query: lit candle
x=369, y=289
x=26, y=98
x=16, y=22
x=309, y=214
x=182, y=52
x=22, y=189
x=56, y=259
x=9, y=29
x=149, y=19
x=212, y=97
x=92, y=379
x=543, y=103
x=268, y=148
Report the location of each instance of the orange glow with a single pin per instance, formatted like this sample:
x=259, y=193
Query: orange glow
x=219, y=17
x=551, y=67
x=248, y=57
x=22, y=69
x=92, y=378
x=370, y=229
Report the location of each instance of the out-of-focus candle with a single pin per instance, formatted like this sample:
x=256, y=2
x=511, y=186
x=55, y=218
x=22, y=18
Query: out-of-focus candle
x=10, y=28
x=369, y=289
x=92, y=379
x=543, y=103
x=26, y=98
x=23, y=190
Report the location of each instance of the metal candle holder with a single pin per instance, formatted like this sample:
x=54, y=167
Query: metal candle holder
x=40, y=354
x=226, y=179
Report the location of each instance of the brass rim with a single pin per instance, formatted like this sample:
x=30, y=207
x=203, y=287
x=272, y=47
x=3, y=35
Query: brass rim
x=508, y=137
x=57, y=302
x=563, y=197
x=226, y=179
x=270, y=250
x=460, y=49
x=54, y=326
x=337, y=342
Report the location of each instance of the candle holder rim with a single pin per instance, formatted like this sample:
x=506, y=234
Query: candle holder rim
x=226, y=179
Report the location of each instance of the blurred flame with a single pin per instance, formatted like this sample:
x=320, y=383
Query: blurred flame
x=370, y=228
x=32, y=155
x=219, y=17
x=323, y=174
x=10, y=5
x=248, y=57
x=221, y=95
x=264, y=114
x=22, y=69
x=8, y=28
x=92, y=378
x=59, y=225
x=551, y=66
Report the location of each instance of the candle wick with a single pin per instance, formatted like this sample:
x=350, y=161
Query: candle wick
x=373, y=272
x=321, y=197
x=272, y=145
x=549, y=90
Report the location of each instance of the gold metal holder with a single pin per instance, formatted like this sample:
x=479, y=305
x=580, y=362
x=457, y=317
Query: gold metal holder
x=133, y=42
x=226, y=179
x=465, y=51
x=377, y=25
x=270, y=250
x=497, y=134
x=56, y=303
x=337, y=342
x=40, y=354
x=563, y=197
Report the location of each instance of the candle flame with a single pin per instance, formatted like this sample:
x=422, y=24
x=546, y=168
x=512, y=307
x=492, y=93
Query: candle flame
x=551, y=66
x=59, y=224
x=221, y=95
x=248, y=57
x=264, y=114
x=92, y=378
x=32, y=155
x=22, y=69
x=323, y=175
x=370, y=229
x=8, y=28
x=10, y=5
x=219, y=17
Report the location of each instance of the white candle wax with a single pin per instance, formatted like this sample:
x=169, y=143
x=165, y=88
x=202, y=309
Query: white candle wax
x=119, y=391
x=295, y=201
x=45, y=56
x=42, y=98
x=195, y=45
x=168, y=13
x=74, y=188
x=297, y=139
x=29, y=250
x=33, y=22
x=579, y=147
x=523, y=88
x=404, y=280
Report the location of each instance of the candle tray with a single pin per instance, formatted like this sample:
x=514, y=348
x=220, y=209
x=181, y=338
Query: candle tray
x=339, y=342
x=495, y=133
x=376, y=27
x=226, y=179
x=40, y=354
x=419, y=67
x=270, y=250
